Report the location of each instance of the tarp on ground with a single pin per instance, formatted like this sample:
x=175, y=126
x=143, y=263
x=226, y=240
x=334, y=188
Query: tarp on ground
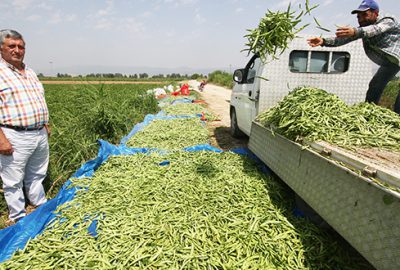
x=15, y=237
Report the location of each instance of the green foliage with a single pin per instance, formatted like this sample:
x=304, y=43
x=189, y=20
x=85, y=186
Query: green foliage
x=390, y=93
x=221, y=78
x=82, y=114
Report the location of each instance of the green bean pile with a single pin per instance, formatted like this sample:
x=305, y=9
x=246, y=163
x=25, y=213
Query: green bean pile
x=314, y=114
x=189, y=109
x=171, y=134
x=274, y=32
x=202, y=211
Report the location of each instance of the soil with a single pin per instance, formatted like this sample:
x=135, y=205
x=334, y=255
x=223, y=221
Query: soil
x=218, y=99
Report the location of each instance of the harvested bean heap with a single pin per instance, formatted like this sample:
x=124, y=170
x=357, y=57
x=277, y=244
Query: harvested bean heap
x=171, y=134
x=314, y=114
x=189, y=109
x=203, y=210
x=275, y=31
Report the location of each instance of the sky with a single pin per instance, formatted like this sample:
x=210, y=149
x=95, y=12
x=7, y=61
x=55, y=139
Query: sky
x=152, y=36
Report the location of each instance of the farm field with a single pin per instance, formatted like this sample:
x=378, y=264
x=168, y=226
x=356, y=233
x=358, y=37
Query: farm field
x=80, y=114
x=199, y=209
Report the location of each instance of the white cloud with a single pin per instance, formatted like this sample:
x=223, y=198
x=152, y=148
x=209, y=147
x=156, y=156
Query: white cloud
x=327, y=3
x=33, y=17
x=120, y=24
x=45, y=6
x=177, y=3
x=58, y=17
x=108, y=10
x=21, y=5
x=239, y=10
x=71, y=17
x=55, y=18
x=198, y=19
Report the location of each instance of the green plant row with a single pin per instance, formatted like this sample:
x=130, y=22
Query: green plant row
x=202, y=210
x=82, y=114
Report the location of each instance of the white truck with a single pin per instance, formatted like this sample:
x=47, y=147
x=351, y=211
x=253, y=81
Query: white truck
x=357, y=194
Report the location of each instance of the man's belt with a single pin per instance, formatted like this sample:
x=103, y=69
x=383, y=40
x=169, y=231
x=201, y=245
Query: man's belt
x=22, y=128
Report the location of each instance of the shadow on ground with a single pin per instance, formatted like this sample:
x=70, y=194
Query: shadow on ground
x=221, y=138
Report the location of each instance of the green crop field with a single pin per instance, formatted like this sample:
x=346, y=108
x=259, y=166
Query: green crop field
x=82, y=114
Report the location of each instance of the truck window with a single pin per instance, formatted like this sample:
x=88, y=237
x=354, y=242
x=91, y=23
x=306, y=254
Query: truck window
x=298, y=61
x=318, y=62
x=340, y=62
x=252, y=69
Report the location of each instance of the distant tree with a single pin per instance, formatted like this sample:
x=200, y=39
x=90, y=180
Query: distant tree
x=158, y=76
x=195, y=76
x=40, y=75
x=143, y=75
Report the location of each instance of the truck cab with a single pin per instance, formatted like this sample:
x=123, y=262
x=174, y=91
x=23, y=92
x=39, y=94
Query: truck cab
x=344, y=71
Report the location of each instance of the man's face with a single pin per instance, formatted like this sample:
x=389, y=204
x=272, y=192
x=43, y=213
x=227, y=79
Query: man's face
x=367, y=17
x=13, y=51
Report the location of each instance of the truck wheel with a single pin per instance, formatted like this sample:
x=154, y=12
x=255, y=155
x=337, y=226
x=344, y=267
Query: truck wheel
x=235, y=131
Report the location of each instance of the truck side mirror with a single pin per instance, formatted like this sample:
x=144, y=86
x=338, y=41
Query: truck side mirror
x=238, y=75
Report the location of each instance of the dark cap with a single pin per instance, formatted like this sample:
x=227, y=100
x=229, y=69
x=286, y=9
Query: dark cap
x=366, y=5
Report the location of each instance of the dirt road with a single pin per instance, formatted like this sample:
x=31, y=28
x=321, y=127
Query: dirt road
x=218, y=99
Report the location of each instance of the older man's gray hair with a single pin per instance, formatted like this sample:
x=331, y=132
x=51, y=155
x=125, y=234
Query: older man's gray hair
x=8, y=33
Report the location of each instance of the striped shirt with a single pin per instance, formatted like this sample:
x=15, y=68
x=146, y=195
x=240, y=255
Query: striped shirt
x=22, y=101
x=381, y=40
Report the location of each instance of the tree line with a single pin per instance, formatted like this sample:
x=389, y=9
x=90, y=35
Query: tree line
x=194, y=76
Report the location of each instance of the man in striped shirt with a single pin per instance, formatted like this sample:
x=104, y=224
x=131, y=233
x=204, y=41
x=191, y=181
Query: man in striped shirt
x=24, y=149
x=381, y=40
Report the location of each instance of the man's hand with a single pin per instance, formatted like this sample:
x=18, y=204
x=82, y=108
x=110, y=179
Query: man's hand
x=48, y=129
x=315, y=41
x=5, y=147
x=345, y=32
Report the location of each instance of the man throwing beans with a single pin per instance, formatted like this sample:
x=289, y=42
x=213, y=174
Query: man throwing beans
x=381, y=40
x=24, y=149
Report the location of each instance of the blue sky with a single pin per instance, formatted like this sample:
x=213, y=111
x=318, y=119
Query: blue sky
x=82, y=36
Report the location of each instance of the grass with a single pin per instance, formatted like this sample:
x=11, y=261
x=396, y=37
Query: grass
x=82, y=114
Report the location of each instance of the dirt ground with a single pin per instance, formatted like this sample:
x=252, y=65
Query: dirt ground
x=218, y=99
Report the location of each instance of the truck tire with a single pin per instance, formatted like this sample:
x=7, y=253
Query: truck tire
x=235, y=131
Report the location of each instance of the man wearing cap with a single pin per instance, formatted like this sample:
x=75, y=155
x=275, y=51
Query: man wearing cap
x=24, y=149
x=380, y=36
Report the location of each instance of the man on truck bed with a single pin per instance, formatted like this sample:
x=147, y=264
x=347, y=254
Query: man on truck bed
x=380, y=36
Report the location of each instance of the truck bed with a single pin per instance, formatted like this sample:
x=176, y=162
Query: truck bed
x=366, y=212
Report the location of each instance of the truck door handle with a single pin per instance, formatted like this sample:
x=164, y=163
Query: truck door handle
x=250, y=93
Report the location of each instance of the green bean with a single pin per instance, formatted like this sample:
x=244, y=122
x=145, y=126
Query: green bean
x=203, y=211
x=168, y=135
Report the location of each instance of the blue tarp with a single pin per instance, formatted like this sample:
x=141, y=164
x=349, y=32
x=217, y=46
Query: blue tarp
x=15, y=237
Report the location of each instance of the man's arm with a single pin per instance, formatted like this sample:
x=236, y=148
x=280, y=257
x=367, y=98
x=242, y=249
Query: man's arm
x=378, y=28
x=5, y=145
x=329, y=41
